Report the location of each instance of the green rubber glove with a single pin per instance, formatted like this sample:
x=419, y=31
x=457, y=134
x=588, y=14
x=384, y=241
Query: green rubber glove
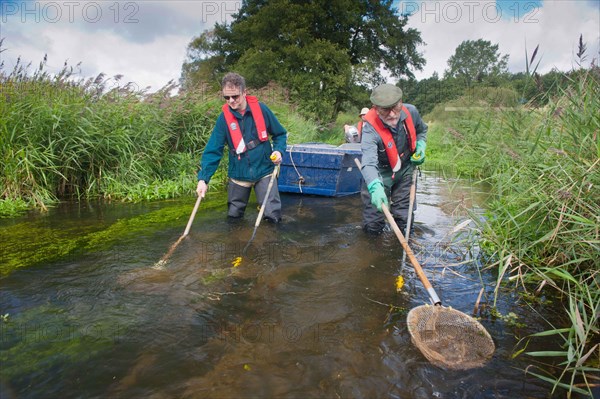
x=377, y=194
x=419, y=156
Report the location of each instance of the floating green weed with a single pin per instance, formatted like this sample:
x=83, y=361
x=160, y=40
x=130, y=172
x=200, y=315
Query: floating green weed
x=29, y=243
x=30, y=345
x=215, y=275
x=51, y=244
x=147, y=224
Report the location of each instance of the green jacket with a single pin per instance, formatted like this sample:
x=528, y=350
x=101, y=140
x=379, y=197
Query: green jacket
x=251, y=165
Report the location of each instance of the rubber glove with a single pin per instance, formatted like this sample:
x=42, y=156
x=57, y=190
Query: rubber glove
x=419, y=156
x=377, y=194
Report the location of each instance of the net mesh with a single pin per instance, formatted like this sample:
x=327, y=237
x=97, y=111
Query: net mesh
x=449, y=338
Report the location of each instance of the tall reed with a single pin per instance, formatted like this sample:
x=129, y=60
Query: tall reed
x=542, y=226
x=66, y=137
x=63, y=137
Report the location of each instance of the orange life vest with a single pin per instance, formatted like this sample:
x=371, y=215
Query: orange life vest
x=388, y=141
x=235, y=131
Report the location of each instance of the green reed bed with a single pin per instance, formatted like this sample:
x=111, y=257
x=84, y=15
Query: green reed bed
x=542, y=226
x=68, y=138
x=63, y=138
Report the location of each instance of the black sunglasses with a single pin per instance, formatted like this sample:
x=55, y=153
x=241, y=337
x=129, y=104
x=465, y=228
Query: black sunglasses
x=234, y=97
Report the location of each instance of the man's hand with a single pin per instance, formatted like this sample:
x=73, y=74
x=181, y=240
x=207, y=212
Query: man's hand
x=377, y=192
x=276, y=157
x=201, y=189
x=419, y=156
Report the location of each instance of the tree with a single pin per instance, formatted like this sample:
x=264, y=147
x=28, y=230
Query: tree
x=476, y=60
x=316, y=49
x=203, y=65
x=425, y=94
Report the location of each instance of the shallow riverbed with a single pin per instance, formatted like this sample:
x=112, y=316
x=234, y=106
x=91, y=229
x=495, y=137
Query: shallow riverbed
x=312, y=310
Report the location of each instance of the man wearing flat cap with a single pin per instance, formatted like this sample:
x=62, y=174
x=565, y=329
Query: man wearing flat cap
x=353, y=133
x=393, y=144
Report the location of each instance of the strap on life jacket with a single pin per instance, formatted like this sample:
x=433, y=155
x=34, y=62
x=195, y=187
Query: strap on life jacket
x=388, y=141
x=234, y=129
x=409, y=126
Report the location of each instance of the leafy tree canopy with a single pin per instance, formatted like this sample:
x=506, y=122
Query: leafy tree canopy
x=319, y=50
x=475, y=60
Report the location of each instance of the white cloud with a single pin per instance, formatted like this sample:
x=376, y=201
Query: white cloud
x=143, y=40
x=146, y=40
x=555, y=26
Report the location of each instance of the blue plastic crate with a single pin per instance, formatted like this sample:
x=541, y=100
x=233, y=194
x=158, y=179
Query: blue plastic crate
x=321, y=169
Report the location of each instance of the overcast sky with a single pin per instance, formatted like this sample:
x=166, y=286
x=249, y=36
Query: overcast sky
x=146, y=40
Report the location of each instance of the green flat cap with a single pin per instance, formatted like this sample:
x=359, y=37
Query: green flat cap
x=386, y=95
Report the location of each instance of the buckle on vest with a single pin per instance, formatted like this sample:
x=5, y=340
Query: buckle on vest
x=250, y=145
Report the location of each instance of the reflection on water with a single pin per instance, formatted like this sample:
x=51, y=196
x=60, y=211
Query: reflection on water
x=312, y=310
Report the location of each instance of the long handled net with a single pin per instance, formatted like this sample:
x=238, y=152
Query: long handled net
x=449, y=338
x=446, y=337
x=163, y=261
x=237, y=261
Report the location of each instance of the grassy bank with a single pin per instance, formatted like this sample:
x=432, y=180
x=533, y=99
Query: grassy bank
x=541, y=230
x=63, y=138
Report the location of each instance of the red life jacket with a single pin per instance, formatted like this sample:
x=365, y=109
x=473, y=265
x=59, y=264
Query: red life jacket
x=234, y=130
x=388, y=141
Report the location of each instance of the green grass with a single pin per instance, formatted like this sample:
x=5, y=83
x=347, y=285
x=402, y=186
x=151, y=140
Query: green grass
x=12, y=208
x=63, y=138
x=541, y=227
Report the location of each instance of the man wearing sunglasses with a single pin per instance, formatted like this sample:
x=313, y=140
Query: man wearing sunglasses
x=245, y=126
x=393, y=143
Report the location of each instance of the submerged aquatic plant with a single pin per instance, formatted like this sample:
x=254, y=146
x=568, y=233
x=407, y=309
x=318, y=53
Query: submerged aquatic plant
x=53, y=244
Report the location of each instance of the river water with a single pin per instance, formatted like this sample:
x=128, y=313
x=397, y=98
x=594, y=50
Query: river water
x=311, y=311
